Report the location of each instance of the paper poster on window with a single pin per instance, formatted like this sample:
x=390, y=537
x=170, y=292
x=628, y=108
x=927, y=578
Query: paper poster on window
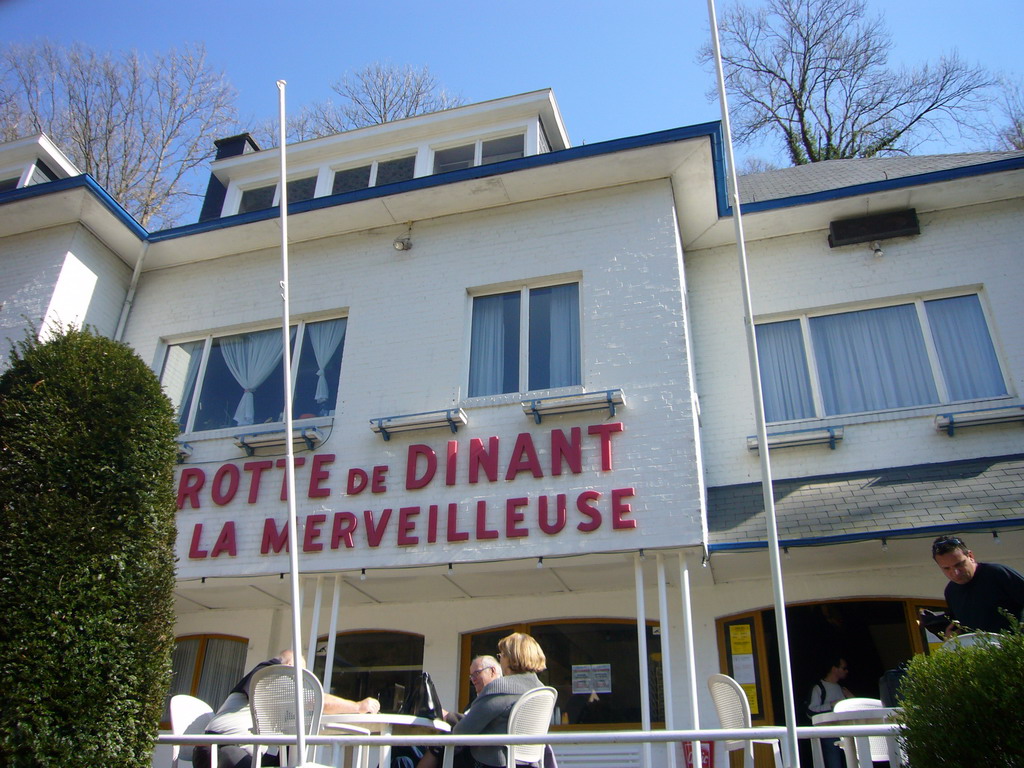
x=591, y=678
x=751, y=691
x=740, y=640
x=743, y=669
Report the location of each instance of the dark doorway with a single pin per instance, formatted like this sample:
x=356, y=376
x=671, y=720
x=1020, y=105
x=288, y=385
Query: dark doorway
x=872, y=635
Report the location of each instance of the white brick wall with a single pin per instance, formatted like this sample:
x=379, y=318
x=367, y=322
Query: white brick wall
x=406, y=350
x=977, y=246
x=61, y=274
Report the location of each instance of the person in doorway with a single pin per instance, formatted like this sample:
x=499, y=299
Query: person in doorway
x=977, y=592
x=521, y=658
x=824, y=695
x=483, y=670
x=234, y=718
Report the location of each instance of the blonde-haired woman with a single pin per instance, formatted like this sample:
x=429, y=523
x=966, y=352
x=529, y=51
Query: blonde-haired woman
x=521, y=658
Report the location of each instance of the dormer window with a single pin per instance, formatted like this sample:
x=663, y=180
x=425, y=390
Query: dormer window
x=259, y=198
x=480, y=152
x=375, y=174
x=38, y=173
x=496, y=150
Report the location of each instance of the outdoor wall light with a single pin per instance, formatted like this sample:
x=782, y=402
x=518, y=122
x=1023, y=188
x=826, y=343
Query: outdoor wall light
x=540, y=562
x=362, y=575
x=876, y=249
x=885, y=545
x=995, y=537
x=403, y=243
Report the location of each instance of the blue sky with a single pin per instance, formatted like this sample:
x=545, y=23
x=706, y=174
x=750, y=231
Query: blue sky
x=617, y=69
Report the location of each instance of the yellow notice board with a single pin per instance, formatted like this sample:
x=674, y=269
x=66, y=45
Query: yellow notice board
x=742, y=662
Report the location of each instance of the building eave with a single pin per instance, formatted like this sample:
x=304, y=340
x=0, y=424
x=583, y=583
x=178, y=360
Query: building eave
x=76, y=200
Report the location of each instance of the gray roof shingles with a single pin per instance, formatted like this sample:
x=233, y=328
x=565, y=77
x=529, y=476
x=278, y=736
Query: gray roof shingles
x=837, y=174
x=962, y=493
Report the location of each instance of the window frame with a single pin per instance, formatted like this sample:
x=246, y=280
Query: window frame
x=195, y=682
x=924, y=325
x=523, y=289
x=655, y=678
x=374, y=166
x=371, y=672
x=477, y=143
x=262, y=184
x=193, y=397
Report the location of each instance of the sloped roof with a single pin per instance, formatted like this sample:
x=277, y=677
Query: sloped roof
x=837, y=174
x=951, y=495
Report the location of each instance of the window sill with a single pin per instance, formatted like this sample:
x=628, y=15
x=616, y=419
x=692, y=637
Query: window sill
x=872, y=417
x=188, y=438
x=796, y=438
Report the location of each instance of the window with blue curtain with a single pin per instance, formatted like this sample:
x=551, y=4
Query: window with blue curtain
x=785, y=381
x=877, y=359
x=498, y=365
x=238, y=380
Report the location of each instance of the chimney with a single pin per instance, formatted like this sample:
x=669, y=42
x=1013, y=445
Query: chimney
x=232, y=146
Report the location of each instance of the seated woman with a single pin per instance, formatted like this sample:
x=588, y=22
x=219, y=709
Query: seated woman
x=521, y=658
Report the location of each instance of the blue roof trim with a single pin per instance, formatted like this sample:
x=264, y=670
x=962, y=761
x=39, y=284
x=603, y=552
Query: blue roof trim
x=932, y=177
x=893, y=533
x=710, y=130
x=75, y=182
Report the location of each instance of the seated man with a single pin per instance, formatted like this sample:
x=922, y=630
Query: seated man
x=234, y=718
x=482, y=670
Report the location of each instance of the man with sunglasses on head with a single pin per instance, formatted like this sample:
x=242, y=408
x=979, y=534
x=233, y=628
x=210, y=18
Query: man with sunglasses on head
x=977, y=592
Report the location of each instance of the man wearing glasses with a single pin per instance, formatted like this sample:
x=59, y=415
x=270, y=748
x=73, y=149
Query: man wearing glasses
x=482, y=670
x=977, y=592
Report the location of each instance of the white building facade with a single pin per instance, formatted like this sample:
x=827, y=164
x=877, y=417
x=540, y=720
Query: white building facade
x=522, y=402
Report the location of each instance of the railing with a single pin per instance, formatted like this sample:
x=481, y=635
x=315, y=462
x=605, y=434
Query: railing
x=554, y=738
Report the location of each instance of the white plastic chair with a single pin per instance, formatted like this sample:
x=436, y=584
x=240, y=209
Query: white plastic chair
x=530, y=716
x=733, y=709
x=272, y=703
x=188, y=715
x=877, y=745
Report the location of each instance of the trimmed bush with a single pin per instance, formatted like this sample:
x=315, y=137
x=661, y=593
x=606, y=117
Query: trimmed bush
x=966, y=706
x=87, y=511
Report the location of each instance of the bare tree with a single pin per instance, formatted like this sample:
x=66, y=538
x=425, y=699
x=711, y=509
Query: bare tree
x=138, y=126
x=814, y=75
x=1010, y=133
x=380, y=93
x=377, y=93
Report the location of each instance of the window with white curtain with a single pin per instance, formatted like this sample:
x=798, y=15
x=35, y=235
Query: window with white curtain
x=207, y=667
x=921, y=352
x=525, y=340
x=238, y=380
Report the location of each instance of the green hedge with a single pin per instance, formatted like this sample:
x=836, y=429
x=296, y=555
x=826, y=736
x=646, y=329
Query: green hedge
x=86, y=554
x=966, y=706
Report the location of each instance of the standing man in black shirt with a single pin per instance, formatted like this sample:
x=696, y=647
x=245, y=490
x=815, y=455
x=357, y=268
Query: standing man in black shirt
x=977, y=591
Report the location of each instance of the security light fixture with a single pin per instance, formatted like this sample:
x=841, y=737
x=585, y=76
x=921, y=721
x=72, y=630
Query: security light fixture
x=403, y=243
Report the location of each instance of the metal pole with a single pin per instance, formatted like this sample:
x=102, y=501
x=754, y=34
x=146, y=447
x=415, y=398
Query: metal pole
x=791, y=753
x=688, y=648
x=666, y=658
x=641, y=632
x=293, y=537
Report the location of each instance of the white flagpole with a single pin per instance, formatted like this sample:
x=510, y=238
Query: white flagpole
x=792, y=755
x=293, y=543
